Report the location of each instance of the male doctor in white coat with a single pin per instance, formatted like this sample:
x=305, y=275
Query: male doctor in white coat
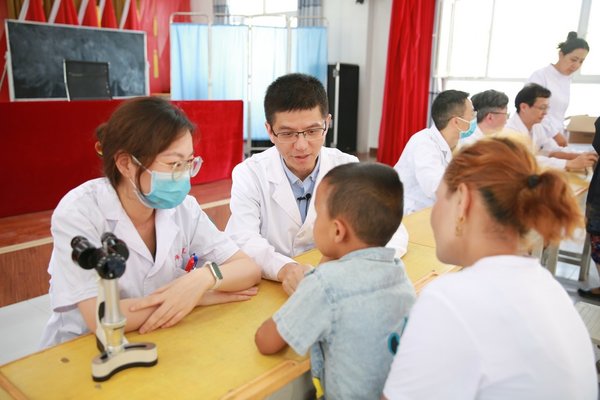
x=429, y=151
x=272, y=212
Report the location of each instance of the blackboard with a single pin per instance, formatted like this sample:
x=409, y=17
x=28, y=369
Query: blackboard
x=37, y=51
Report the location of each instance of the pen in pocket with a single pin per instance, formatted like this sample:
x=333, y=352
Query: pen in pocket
x=191, y=264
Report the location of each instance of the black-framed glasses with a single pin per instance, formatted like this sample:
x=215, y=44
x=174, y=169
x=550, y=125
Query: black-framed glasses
x=310, y=134
x=179, y=168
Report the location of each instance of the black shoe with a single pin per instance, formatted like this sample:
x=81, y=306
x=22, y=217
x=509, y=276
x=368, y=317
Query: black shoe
x=588, y=294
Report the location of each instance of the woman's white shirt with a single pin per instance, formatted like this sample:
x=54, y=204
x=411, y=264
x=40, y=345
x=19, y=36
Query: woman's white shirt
x=560, y=87
x=503, y=328
x=93, y=209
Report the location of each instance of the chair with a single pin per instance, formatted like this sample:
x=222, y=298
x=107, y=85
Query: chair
x=552, y=254
x=86, y=80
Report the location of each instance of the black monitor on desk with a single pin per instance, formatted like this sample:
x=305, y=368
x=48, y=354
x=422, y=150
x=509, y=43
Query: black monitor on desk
x=87, y=80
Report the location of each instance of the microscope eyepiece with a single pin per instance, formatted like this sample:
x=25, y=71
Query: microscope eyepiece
x=108, y=260
x=83, y=252
x=114, y=244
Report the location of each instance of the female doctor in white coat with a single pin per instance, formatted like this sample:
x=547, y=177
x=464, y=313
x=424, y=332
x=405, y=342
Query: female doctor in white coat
x=148, y=159
x=557, y=78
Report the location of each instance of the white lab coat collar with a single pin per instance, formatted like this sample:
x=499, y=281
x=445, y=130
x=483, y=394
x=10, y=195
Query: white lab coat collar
x=441, y=143
x=516, y=123
x=283, y=194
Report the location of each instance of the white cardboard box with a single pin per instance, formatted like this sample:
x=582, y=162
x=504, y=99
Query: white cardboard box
x=581, y=128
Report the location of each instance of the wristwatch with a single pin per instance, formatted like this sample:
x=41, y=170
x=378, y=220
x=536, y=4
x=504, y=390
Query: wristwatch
x=216, y=272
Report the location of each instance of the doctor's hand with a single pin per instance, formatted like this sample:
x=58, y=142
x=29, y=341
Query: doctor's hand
x=176, y=299
x=583, y=160
x=291, y=274
x=218, y=297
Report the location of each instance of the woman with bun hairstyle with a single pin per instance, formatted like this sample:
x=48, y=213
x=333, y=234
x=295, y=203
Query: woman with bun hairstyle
x=557, y=78
x=502, y=327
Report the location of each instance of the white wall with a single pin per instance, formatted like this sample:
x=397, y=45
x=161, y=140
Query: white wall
x=358, y=35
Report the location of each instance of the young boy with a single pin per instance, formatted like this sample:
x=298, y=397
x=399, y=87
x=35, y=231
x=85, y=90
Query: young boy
x=350, y=311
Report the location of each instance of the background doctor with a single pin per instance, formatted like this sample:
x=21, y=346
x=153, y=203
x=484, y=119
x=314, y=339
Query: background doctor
x=557, y=78
x=272, y=212
x=148, y=159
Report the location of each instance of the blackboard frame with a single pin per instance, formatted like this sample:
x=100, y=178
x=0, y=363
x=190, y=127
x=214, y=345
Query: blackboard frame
x=35, y=54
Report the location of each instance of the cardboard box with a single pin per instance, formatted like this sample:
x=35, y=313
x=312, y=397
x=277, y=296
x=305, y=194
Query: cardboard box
x=581, y=128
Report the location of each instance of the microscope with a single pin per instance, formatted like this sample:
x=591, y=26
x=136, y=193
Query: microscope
x=116, y=352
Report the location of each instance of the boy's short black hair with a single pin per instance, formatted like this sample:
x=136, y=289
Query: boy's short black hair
x=295, y=92
x=369, y=197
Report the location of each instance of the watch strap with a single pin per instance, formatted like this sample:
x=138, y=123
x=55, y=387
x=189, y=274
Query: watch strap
x=216, y=273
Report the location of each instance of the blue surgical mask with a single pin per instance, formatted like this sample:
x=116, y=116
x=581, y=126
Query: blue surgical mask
x=469, y=132
x=165, y=192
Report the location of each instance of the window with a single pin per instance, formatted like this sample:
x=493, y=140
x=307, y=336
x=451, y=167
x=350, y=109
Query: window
x=497, y=44
x=255, y=7
x=591, y=66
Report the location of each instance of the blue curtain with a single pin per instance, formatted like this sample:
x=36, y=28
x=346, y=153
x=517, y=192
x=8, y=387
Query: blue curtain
x=189, y=66
x=309, y=52
x=231, y=64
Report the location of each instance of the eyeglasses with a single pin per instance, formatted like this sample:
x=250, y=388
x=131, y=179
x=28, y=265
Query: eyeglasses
x=468, y=121
x=179, y=168
x=310, y=134
x=500, y=113
x=541, y=108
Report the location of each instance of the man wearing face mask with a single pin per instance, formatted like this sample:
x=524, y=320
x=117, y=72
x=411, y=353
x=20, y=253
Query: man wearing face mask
x=428, y=152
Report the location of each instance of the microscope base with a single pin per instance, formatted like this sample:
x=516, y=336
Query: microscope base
x=133, y=355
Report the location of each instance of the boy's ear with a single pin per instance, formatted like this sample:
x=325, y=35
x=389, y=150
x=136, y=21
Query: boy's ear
x=340, y=231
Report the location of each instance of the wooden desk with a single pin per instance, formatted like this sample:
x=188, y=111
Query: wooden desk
x=419, y=229
x=209, y=355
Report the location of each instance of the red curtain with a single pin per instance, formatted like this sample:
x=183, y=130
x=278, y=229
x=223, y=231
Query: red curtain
x=405, y=99
x=109, y=20
x=4, y=85
x=36, y=11
x=132, y=21
x=154, y=19
x=90, y=15
x=66, y=13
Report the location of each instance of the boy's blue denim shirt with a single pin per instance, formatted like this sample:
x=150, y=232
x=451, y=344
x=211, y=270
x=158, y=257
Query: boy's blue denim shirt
x=347, y=311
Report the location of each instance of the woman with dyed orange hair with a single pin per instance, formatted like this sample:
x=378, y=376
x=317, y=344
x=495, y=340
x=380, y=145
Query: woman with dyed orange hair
x=503, y=327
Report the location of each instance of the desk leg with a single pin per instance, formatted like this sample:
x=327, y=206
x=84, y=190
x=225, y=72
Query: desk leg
x=586, y=255
x=550, y=258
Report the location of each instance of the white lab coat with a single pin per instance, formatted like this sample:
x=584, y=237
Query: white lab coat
x=265, y=220
x=542, y=145
x=421, y=167
x=94, y=208
x=560, y=86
